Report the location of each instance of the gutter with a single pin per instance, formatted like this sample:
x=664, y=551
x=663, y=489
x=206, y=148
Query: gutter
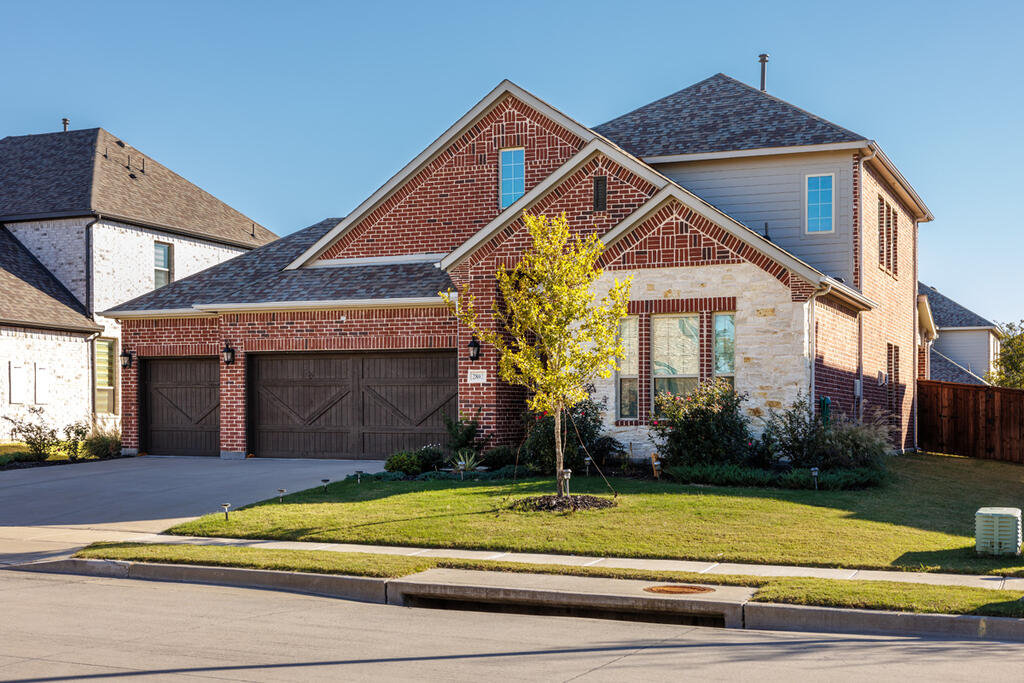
x=214, y=309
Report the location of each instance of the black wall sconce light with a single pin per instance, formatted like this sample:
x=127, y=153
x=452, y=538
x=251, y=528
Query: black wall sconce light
x=227, y=354
x=126, y=359
x=474, y=349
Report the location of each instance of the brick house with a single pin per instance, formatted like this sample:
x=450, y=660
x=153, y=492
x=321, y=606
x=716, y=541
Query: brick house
x=766, y=245
x=86, y=220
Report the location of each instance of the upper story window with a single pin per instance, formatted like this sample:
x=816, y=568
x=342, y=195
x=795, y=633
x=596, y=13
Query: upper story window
x=675, y=353
x=163, y=264
x=888, y=238
x=725, y=346
x=629, y=369
x=820, y=203
x=512, y=184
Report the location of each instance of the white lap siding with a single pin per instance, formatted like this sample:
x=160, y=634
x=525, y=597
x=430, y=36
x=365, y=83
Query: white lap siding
x=58, y=359
x=771, y=340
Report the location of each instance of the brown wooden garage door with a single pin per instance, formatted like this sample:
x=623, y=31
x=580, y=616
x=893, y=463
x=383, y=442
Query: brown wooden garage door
x=181, y=406
x=349, y=405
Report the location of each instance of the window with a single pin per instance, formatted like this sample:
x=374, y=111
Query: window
x=629, y=369
x=513, y=176
x=819, y=203
x=20, y=382
x=106, y=375
x=163, y=264
x=675, y=353
x=600, y=193
x=888, y=237
x=725, y=346
x=892, y=386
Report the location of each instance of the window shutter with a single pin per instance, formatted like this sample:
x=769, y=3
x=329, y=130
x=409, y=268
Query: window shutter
x=42, y=384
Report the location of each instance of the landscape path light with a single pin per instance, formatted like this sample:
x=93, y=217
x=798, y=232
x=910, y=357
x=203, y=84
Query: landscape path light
x=587, y=460
x=359, y=476
x=280, y=495
x=325, y=482
x=814, y=475
x=566, y=474
x=225, y=506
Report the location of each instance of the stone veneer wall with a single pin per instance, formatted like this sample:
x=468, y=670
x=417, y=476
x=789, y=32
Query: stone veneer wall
x=771, y=342
x=65, y=356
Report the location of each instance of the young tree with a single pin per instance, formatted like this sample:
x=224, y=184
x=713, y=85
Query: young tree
x=1009, y=370
x=552, y=334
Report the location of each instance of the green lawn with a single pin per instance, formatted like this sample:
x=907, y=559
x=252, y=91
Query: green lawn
x=884, y=595
x=924, y=520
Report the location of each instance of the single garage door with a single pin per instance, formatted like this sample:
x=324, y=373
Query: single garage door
x=181, y=406
x=355, y=405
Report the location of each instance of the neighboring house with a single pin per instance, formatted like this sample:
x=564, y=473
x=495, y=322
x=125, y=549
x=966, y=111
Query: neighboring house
x=967, y=345
x=333, y=341
x=86, y=220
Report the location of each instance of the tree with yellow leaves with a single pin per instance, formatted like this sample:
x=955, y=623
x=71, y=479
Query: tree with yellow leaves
x=553, y=335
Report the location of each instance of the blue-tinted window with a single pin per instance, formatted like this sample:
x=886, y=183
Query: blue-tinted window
x=819, y=203
x=513, y=177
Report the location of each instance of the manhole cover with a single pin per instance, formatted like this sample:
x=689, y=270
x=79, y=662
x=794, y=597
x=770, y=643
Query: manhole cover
x=679, y=590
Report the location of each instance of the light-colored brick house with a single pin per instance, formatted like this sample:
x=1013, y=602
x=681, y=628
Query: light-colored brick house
x=86, y=220
x=766, y=245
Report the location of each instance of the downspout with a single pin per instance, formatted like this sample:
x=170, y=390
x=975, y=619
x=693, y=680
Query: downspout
x=863, y=268
x=88, y=311
x=813, y=334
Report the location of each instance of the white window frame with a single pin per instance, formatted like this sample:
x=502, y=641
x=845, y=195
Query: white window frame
x=654, y=376
x=501, y=176
x=619, y=376
x=714, y=346
x=807, y=217
x=170, y=263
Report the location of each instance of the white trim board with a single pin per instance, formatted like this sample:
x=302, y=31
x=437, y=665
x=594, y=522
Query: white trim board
x=478, y=111
x=398, y=259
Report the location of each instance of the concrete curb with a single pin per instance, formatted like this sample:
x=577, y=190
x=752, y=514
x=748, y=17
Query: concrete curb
x=748, y=615
x=359, y=588
x=771, y=616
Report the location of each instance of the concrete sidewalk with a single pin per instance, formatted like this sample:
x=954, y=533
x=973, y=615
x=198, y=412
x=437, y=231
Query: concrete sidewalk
x=50, y=542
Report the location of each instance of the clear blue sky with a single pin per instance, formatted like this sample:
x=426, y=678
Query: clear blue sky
x=295, y=111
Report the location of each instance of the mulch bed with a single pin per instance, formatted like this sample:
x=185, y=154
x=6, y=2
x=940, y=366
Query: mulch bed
x=562, y=503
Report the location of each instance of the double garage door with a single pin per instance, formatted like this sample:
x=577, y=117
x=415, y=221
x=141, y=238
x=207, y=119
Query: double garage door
x=355, y=405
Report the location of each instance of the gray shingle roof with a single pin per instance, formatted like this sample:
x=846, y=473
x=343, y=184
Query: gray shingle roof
x=258, y=276
x=32, y=296
x=83, y=172
x=945, y=369
x=948, y=313
x=716, y=115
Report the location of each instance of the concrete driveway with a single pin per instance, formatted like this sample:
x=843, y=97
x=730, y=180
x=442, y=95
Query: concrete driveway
x=47, y=511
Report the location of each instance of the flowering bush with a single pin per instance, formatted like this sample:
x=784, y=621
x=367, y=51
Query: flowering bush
x=706, y=426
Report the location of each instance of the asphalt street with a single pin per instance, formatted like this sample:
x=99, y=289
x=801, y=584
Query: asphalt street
x=56, y=627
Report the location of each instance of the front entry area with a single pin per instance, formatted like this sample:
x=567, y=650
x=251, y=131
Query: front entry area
x=349, y=405
x=180, y=406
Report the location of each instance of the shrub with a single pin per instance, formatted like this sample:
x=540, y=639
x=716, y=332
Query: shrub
x=405, y=462
x=102, y=444
x=731, y=474
x=40, y=439
x=583, y=434
x=706, y=426
x=499, y=457
x=798, y=437
x=74, y=434
x=466, y=433
x=423, y=459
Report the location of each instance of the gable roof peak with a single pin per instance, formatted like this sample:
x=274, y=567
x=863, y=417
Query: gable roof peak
x=720, y=114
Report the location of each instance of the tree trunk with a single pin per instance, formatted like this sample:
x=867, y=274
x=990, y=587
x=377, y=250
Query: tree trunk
x=559, y=455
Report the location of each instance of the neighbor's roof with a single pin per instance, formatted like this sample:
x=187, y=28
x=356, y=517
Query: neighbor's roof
x=945, y=369
x=948, y=313
x=88, y=172
x=32, y=296
x=258, y=277
x=719, y=114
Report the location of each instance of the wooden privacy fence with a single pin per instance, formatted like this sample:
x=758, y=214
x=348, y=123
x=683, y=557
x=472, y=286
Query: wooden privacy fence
x=973, y=420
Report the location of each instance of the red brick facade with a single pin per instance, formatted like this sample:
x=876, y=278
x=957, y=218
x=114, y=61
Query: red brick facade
x=457, y=193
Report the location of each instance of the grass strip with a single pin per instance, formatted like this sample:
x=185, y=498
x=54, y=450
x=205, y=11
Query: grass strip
x=873, y=595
